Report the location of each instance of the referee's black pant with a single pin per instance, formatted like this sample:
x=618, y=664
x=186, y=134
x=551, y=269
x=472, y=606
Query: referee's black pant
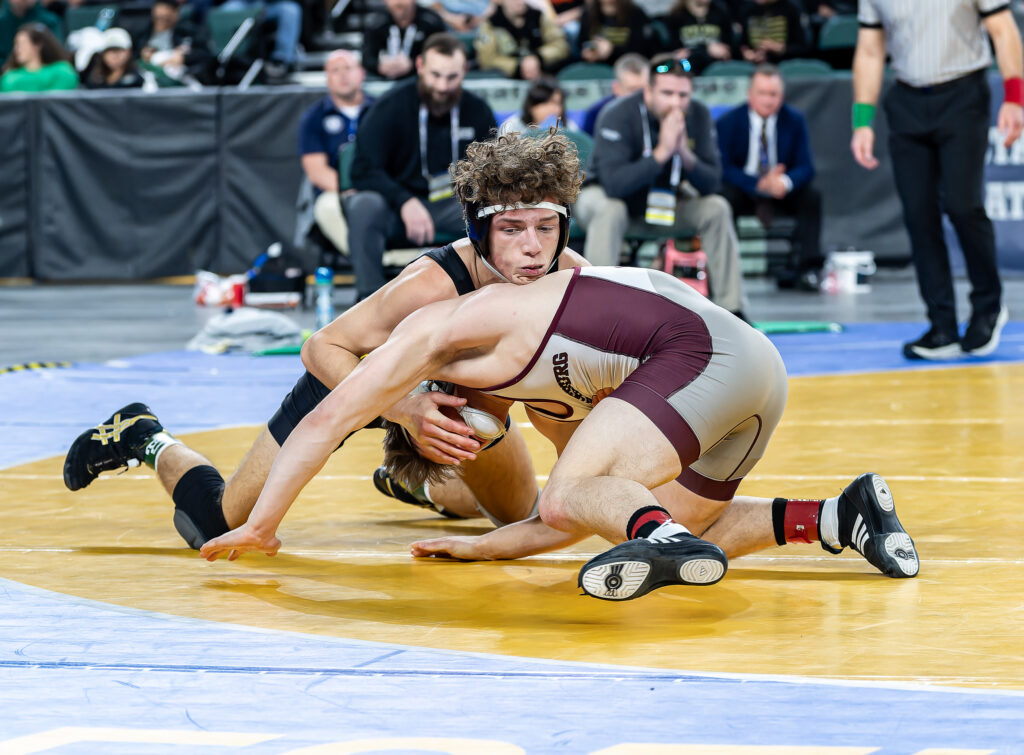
x=938, y=138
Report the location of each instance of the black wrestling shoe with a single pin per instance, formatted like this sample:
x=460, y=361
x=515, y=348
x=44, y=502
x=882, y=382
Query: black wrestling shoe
x=982, y=335
x=118, y=442
x=868, y=524
x=636, y=567
x=934, y=345
x=392, y=488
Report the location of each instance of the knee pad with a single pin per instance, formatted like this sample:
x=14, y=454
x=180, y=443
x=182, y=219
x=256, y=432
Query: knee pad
x=300, y=401
x=198, y=515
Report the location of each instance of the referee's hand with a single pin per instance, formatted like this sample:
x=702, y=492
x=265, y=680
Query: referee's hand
x=863, y=147
x=1010, y=122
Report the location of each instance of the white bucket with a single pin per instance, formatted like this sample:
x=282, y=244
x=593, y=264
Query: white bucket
x=848, y=272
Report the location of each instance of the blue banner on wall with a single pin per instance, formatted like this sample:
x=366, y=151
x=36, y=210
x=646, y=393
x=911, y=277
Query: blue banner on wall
x=1004, y=187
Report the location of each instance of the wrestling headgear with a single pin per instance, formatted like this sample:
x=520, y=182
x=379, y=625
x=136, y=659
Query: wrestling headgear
x=478, y=226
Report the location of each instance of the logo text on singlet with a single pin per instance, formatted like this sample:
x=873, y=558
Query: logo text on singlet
x=560, y=365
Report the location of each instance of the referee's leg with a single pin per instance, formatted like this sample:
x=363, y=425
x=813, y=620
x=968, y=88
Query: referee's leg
x=915, y=166
x=962, y=150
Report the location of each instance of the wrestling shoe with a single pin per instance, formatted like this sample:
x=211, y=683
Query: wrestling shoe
x=636, y=567
x=118, y=442
x=868, y=524
x=392, y=488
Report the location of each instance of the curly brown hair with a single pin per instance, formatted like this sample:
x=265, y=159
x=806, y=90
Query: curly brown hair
x=514, y=168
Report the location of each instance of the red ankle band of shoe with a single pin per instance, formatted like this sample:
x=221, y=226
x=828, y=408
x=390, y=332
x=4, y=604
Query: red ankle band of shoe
x=801, y=522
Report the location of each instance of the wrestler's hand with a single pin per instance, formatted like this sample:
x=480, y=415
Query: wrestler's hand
x=863, y=147
x=1010, y=122
x=240, y=540
x=462, y=547
x=437, y=436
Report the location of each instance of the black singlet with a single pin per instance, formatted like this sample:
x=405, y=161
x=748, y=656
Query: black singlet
x=452, y=263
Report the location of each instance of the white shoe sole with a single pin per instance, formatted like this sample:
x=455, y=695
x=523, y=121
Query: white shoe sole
x=615, y=581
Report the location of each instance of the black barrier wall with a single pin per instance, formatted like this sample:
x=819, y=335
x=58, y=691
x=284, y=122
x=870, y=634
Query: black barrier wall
x=132, y=185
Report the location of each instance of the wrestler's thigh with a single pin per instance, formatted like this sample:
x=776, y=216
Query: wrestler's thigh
x=618, y=440
x=502, y=478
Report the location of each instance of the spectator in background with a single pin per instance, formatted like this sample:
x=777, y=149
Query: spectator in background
x=520, y=41
x=463, y=15
x=611, y=28
x=114, y=67
x=287, y=14
x=404, y=146
x=630, y=76
x=767, y=167
x=328, y=127
x=38, y=63
x=393, y=41
x=543, y=107
x=567, y=15
x=655, y=164
x=180, y=49
x=772, y=30
x=16, y=13
x=700, y=31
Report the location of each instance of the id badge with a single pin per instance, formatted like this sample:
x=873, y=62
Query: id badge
x=440, y=187
x=661, y=207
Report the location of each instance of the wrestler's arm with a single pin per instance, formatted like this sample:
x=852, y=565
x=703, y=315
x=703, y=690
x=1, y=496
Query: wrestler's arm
x=417, y=349
x=333, y=352
x=570, y=259
x=525, y=538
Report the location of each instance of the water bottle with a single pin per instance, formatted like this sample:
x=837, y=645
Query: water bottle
x=105, y=19
x=324, y=297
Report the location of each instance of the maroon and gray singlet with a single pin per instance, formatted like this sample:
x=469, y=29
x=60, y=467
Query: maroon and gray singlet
x=715, y=386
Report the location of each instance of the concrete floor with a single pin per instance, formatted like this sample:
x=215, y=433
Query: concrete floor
x=97, y=322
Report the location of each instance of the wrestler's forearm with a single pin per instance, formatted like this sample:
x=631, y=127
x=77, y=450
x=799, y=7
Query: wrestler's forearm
x=328, y=361
x=525, y=538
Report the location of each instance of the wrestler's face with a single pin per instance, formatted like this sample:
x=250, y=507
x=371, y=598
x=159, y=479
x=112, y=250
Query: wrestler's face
x=522, y=243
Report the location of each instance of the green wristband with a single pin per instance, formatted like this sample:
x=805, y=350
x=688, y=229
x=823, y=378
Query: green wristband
x=863, y=114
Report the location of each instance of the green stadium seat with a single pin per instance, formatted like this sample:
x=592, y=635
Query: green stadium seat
x=223, y=23
x=839, y=33
x=729, y=68
x=586, y=71
x=346, y=155
x=804, y=67
x=81, y=16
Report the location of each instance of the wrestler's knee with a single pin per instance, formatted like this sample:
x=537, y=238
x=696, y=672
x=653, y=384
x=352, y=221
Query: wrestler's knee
x=553, y=506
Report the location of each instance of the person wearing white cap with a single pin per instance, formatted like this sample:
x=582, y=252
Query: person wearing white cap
x=113, y=66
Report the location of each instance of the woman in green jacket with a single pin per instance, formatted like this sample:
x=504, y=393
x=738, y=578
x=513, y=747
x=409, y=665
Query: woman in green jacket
x=38, y=63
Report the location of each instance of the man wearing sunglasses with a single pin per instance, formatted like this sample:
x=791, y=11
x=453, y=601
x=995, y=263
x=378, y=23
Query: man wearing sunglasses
x=655, y=165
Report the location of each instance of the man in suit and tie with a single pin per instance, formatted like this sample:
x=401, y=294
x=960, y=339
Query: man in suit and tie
x=767, y=168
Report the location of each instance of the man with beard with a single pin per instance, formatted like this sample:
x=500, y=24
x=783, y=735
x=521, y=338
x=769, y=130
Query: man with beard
x=404, y=146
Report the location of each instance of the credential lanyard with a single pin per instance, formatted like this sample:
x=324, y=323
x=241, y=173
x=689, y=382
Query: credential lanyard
x=677, y=162
x=401, y=42
x=423, y=138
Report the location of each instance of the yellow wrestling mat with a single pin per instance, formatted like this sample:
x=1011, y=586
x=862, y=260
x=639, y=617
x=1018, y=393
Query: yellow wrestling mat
x=949, y=441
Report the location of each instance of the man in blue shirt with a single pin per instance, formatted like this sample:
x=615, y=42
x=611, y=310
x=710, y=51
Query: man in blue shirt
x=328, y=127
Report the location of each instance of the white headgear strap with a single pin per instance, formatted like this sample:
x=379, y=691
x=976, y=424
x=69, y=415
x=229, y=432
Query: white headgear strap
x=494, y=209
